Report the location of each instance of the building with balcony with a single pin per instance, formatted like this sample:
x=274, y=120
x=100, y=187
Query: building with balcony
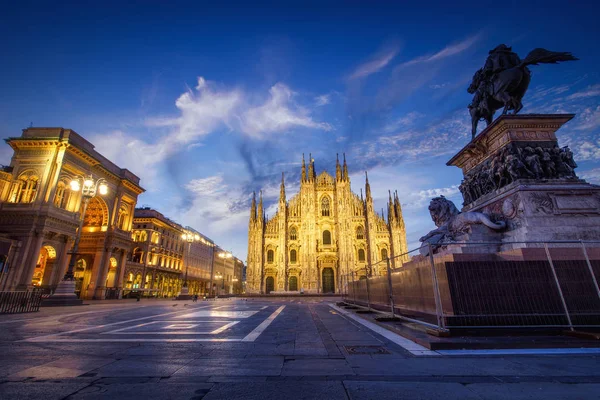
x=40, y=211
x=323, y=233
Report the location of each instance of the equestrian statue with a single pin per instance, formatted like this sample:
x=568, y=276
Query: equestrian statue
x=503, y=81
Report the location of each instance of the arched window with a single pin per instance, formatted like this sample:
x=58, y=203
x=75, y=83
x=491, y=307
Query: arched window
x=24, y=189
x=143, y=236
x=59, y=197
x=325, y=206
x=123, y=213
x=361, y=255
x=293, y=256
x=360, y=232
x=326, y=237
x=293, y=234
x=384, y=254
x=155, y=237
x=270, y=256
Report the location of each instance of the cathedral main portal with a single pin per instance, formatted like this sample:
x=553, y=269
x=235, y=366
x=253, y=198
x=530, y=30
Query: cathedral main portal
x=328, y=280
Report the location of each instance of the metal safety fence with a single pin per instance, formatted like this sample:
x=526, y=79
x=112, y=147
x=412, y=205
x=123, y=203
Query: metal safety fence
x=485, y=285
x=20, y=302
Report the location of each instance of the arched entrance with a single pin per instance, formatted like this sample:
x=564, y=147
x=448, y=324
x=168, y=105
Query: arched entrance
x=293, y=283
x=44, y=266
x=270, y=284
x=328, y=283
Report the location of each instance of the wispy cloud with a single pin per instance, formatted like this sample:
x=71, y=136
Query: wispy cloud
x=323, y=100
x=590, y=91
x=446, y=52
x=378, y=62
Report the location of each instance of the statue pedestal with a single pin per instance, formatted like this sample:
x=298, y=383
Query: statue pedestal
x=515, y=171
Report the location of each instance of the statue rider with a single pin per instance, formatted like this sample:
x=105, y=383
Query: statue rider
x=501, y=58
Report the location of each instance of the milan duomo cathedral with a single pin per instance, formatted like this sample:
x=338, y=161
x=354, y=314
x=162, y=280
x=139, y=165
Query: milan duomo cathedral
x=320, y=235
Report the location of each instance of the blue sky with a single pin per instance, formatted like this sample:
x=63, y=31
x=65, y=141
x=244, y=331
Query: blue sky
x=209, y=104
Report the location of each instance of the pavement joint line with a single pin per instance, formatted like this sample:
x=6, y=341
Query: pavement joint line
x=410, y=346
x=42, y=338
x=252, y=336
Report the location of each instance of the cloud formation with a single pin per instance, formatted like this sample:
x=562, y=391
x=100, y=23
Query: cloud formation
x=378, y=62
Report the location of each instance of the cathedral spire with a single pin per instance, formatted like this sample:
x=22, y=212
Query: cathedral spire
x=338, y=169
x=367, y=187
x=345, y=172
x=253, y=208
x=311, y=171
x=303, y=169
x=314, y=170
x=261, y=213
x=282, y=190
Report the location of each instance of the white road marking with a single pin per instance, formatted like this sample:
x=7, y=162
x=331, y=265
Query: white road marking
x=219, y=314
x=224, y=327
x=41, y=319
x=408, y=345
x=45, y=337
x=252, y=336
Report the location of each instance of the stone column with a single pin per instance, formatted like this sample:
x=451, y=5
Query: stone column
x=62, y=262
x=100, y=290
x=31, y=261
x=122, y=262
x=91, y=286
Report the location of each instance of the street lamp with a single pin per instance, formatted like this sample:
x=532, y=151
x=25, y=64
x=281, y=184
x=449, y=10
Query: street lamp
x=190, y=238
x=65, y=291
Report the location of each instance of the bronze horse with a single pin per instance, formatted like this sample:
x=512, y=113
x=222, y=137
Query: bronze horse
x=506, y=87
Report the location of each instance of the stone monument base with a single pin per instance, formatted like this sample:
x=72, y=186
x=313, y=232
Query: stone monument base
x=515, y=171
x=64, y=295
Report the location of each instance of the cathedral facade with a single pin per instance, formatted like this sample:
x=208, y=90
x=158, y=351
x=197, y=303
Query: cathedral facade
x=320, y=235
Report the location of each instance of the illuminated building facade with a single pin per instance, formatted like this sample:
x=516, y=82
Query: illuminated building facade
x=324, y=232
x=161, y=256
x=40, y=214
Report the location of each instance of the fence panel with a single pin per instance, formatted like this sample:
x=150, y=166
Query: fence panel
x=528, y=284
x=20, y=302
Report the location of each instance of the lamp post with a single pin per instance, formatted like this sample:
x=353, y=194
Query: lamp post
x=65, y=291
x=190, y=238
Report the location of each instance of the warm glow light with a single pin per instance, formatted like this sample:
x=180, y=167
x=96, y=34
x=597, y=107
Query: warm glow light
x=184, y=236
x=197, y=237
x=75, y=185
x=103, y=189
x=88, y=182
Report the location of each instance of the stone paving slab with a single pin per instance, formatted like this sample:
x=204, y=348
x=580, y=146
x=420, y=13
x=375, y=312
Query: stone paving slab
x=316, y=366
x=255, y=366
x=66, y=367
x=405, y=390
x=136, y=367
x=535, y=391
x=40, y=390
x=278, y=390
x=155, y=391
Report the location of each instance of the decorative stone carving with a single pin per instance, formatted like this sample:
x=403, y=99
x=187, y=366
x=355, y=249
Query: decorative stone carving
x=542, y=202
x=514, y=162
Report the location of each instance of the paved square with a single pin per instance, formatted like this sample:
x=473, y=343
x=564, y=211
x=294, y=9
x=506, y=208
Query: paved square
x=259, y=349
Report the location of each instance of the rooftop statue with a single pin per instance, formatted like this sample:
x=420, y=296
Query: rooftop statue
x=503, y=81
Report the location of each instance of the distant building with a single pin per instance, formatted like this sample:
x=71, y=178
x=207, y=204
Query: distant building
x=160, y=256
x=227, y=269
x=39, y=214
x=322, y=233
